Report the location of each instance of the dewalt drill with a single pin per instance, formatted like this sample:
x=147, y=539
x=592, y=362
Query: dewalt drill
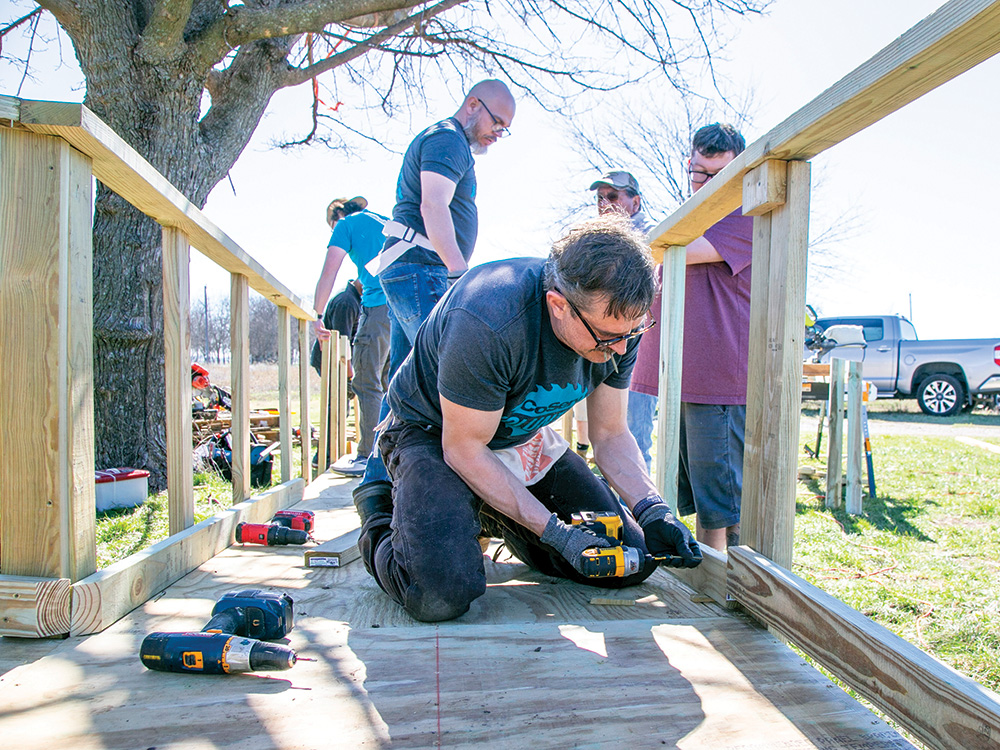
x=229, y=642
x=616, y=561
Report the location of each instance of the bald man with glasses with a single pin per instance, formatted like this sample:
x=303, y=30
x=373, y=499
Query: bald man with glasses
x=469, y=442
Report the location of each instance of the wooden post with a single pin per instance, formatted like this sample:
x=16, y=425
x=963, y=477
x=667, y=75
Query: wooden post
x=284, y=398
x=305, y=430
x=668, y=430
x=854, y=440
x=323, y=450
x=239, y=336
x=47, y=506
x=774, y=388
x=835, y=440
x=177, y=364
x=567, y=428
x=343, y=358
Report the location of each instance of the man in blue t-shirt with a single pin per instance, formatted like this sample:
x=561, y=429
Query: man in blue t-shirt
x=357, y=233
x=470, y=448
x=434, y=222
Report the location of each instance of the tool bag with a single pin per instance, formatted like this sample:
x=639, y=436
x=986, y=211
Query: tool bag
x=261, y=460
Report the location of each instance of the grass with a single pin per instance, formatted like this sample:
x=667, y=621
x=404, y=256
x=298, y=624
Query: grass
x=922, y=558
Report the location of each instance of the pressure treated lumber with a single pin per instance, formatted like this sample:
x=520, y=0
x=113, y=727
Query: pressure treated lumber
x=774, y=379
x=336, y=553
x=835, y=441
x=305, y=430
x=855, y=444
x=122, y=169
x=177, y=377
x=33, y=607
x=958, y=36
x=284, y=393
x=709, y=578
x=47, y=505
x=239, y=346
x=943, y=708
x=671, y=335
x=111, y=593
x=764, y=187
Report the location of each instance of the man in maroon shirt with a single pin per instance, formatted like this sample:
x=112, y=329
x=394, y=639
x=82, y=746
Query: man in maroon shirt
x=716, y=350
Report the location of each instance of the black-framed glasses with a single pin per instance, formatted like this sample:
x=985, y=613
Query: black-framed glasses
x=499, y=128
x=699, y=177
x=606, y=343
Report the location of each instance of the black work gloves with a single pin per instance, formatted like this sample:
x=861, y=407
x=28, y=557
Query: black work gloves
x=666, y=536
x=571, y=541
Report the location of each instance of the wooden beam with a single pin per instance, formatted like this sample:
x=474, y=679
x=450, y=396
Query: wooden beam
x=34, y=607
x=177, y=364
x=239, y=337
x=47, y=501
x=835, y=440
x=111, y=593
x=305, y=429
x=668, y=430
x=343, y=362
x=855, y=444
x=709, y=578
x=774, y=382
x=958, y=36
x=122, y=169
x=325, y=377
x=764, y=187
x=336, y=553
x=943, y=708
x=284, y=393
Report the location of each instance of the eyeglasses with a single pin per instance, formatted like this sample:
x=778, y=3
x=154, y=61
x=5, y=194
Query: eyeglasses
x=699, y=177
x=499, y=128
x=606, y=343
x=607, y=197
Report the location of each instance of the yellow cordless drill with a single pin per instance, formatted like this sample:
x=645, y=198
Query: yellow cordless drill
x=617, y=561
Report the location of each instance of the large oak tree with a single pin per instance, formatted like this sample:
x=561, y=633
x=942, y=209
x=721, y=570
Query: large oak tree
x=186, y=82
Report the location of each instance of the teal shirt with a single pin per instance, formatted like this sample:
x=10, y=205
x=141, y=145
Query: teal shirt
x=360, y=236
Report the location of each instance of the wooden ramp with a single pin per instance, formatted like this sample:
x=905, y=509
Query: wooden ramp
x=533, y=664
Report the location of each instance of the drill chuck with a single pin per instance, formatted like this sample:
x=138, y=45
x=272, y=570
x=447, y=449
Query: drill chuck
x=213, y=653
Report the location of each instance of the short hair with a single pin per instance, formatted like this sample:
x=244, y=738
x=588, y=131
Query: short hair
x=718, y=138
x=604, y=256
x=341, y=207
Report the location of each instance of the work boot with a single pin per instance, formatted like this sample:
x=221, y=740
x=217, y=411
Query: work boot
x=372, y=498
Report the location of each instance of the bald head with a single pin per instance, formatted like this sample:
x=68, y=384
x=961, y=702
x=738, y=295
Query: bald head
x=486, y=114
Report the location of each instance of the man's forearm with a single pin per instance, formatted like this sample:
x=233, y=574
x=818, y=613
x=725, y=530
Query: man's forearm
x=621, y=463
x=441, y=232
x=497, y=487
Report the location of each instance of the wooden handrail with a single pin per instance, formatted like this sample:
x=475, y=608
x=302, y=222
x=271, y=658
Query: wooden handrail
x=121, y=168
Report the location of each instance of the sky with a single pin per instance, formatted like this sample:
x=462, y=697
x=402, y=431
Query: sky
x=921, y=181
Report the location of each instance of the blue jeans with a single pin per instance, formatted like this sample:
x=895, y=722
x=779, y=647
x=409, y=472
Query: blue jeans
x=411, y=290
x=710, y=476
x=641, y=410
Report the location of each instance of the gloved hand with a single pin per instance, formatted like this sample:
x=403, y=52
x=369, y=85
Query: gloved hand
x=570, y=541
x=665, y=535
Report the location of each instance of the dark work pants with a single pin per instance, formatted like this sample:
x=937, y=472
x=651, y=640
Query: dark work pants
x=426, y=555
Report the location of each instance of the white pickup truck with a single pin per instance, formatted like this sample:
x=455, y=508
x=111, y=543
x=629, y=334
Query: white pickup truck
x=944, y=376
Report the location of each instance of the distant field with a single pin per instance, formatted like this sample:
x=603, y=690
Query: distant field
x=264, y=386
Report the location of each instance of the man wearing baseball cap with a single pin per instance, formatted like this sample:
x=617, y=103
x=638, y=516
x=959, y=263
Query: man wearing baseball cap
x=618, y=191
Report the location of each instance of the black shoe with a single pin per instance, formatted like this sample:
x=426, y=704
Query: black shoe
x=372, y=498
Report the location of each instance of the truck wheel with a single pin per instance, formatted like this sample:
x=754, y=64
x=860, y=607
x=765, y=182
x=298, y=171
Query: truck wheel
x=940, y=395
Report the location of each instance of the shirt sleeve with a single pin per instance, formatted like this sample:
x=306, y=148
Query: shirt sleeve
x=446, y=153
x=341, y=236
x=732, y=238
x=473, y=363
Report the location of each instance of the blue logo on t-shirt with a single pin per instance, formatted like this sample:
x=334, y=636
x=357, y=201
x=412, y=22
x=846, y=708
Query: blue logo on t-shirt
x=542, y=406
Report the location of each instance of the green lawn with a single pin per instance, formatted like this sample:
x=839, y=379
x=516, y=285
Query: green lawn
x=922, y=560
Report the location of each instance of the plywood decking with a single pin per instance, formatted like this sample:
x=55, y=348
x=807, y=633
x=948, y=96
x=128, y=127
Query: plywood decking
x=534, y=663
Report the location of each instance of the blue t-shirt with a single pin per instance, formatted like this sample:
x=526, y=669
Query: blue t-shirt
x=443, y=149
x=488, y=345
x=360, y=236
